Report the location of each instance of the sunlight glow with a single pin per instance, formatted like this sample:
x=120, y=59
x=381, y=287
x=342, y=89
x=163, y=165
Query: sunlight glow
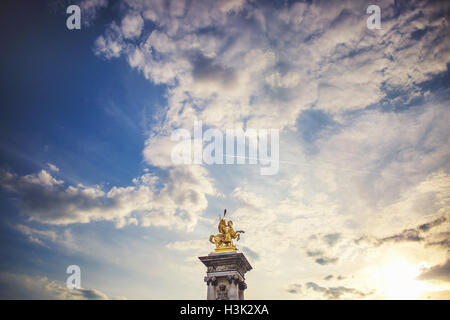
x=398, y=281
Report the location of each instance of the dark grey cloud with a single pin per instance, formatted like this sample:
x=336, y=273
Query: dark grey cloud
x=295, y=288
x=326, y=260
x=205, y=69
x=46, y=199
x=332, y=238
x=405, y=235
x=24, y=287
x=314, y=253
x=331, y=277
x=337, y=292
x=438, y=272
x=319, y=255
x=427, y=226
x=90, y=294
x=328, y=292
x=154, y=200
x=421, y=233
x=445, y=243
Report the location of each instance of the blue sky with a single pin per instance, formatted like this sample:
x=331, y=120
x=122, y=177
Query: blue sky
x=362, y=193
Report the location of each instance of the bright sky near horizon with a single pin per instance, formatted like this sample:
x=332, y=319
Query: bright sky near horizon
x=359, y=208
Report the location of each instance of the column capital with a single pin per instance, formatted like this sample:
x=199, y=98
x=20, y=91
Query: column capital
x=233, y=278
x=242, y=285
x=211, y=280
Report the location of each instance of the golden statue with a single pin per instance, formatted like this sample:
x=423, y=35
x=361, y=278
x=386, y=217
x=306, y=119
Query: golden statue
x=224, y=240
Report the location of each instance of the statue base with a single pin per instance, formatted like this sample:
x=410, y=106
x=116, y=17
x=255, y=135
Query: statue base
x=225, y=275
x=224, y=249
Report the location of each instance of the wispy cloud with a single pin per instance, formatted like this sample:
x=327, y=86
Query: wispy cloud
x=439, y=272
x=20, y=286
x=328, y=292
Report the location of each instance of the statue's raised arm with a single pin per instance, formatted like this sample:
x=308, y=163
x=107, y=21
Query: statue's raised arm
x=222, y=226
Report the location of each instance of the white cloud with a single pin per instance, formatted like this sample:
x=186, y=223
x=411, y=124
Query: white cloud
x=264, y=66
x=35, y=235
x=52, y=167
x=20, y=286
x=132, y=25
x=200, y=246
x=176, y=201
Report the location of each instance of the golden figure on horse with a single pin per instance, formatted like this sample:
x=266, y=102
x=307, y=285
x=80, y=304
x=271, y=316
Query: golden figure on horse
x=224, y=240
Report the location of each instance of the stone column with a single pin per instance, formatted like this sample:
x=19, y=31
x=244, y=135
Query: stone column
x=211, y=283
x=242, y=287
x=225, y=275
x=233, y=292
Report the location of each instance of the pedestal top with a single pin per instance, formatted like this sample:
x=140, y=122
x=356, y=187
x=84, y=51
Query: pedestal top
x=227, y=261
